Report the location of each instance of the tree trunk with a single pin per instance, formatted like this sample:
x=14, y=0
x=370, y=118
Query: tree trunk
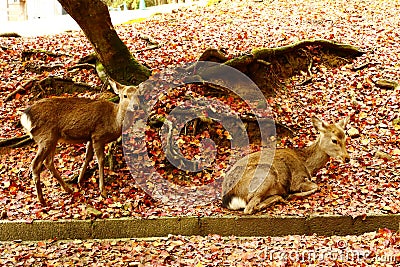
x=94, y=19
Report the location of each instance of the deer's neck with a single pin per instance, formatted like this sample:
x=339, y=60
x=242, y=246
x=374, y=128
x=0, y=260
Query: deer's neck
x=120, y=110
x=314, y=157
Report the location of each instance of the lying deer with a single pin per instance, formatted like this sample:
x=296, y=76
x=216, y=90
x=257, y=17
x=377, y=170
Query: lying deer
x=262, y=184
x=74, y=120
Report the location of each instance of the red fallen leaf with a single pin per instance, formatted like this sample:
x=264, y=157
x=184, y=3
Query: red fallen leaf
x=76, y=194
x=384, y=231
x=41, y=244
x=125, y=190
x=13, y=190
x=247, y=256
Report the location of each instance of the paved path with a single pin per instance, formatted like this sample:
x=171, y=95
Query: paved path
x=58, y=24
x=251, y=225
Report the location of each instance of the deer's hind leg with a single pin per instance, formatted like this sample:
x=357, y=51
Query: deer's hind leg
x=264, y=195
x=49, y=163
x=44, y=149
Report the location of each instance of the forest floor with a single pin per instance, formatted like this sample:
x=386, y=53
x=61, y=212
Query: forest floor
x=368, y=184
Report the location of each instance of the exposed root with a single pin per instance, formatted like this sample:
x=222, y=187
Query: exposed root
x=15, y=142
x=268, y=67
x=26, y=55
x=151, y=43
x=386, y=84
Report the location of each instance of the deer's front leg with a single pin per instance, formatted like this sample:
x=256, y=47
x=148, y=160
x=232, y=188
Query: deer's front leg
x=269, y=201
x=99, y=151
x=306, y=188
x=254, y=201
x=88, y=158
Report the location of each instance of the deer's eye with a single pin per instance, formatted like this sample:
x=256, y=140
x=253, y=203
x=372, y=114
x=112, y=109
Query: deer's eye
x=334, y=141
x=125, y=96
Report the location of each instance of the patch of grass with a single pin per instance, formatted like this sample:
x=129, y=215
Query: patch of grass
x=213, y=2
x=132, y=21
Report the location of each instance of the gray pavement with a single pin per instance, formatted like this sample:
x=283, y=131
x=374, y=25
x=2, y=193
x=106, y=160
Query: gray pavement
x=59, y=24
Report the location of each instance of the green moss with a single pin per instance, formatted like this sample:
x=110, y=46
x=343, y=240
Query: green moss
x=101, y=71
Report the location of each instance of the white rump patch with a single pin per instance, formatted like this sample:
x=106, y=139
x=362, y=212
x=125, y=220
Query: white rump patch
x=26, y=123
x=237, y=203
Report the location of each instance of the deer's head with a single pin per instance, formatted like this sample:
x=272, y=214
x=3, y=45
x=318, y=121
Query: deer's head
x=332, y=139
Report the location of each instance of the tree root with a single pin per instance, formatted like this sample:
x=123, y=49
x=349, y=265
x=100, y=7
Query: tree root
x=40, y=68
x=52, y=86
x=21, y=88
x=16, y=142
x=213, y=55
x=173, y=153
x=268, y=67
x=26, y=55
x=81, y=66
x=362, y=66
x=386, y=84
x=10, y=34
x=24, y=142
x=342, y=50
x=151, y=44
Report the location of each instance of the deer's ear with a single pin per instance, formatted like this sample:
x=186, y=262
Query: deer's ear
x=318, y=124
x=116, y=86
x=342, y=123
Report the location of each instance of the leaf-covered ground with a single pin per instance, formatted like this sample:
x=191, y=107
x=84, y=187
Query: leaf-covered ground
x=371, y=249
x=368, y=184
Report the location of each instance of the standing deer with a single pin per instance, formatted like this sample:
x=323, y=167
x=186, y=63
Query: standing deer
x=288, y=175
x=75, y=120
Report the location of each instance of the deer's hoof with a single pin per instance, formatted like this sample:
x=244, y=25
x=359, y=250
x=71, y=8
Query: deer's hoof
x=80, y=185
x=43, y=202
x=69, y=190
x=248, y=210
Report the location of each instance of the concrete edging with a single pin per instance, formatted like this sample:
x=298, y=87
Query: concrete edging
x=225, y=226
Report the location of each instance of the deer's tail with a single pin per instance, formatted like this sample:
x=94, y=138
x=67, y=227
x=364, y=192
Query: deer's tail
x=233, y=202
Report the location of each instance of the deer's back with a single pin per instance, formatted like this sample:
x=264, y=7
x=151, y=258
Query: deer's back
x=264, y=175
x=69, y=119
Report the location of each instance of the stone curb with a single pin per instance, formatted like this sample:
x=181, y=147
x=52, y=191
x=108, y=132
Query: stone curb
x=224, y=226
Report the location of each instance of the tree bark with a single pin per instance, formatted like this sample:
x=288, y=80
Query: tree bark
x=94, y=19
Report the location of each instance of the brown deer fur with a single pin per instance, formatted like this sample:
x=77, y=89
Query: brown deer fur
x=74, y=120
x=289, y=173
